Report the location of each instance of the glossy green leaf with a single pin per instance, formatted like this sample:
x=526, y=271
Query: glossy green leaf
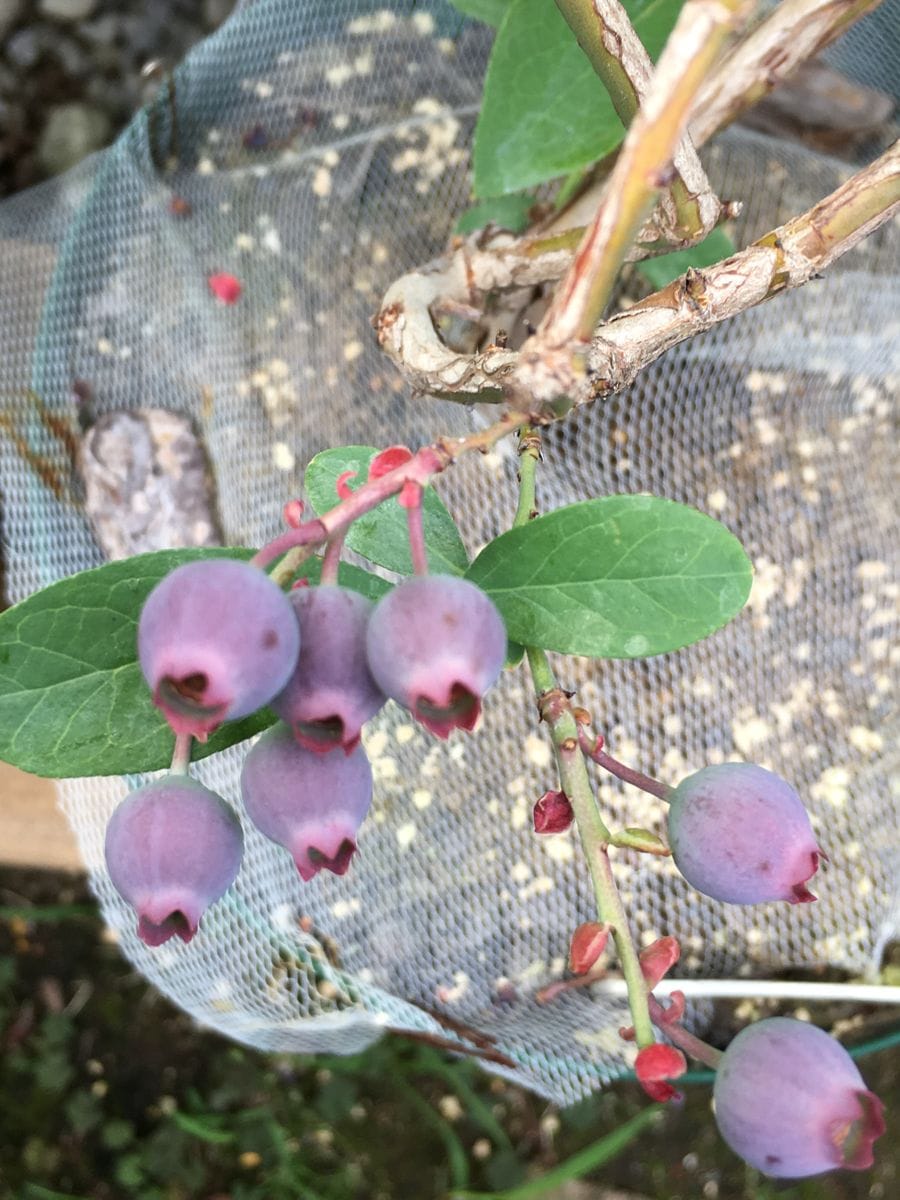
x=662, y=270
x=506, y=212
x=73, y=701
x=617, y=577
x=544, y=111
x=489, y=11
x=381, y=535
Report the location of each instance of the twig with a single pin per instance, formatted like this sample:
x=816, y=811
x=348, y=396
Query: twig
x=688, y=209
x=787, y=257
x=553, y=361
x=793, y=32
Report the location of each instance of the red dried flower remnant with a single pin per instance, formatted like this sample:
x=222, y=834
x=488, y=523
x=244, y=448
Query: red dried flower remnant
x=654, y=1066
x=552, y=813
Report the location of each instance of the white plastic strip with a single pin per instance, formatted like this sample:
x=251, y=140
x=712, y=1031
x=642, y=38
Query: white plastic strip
x=761, y=989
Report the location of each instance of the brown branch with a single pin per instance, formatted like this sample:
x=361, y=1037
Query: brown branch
x=552, y=362
x=688, y=209
x=786, y=258
x=794, y=31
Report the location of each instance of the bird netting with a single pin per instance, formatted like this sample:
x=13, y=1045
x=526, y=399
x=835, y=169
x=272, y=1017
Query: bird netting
x=316, y=151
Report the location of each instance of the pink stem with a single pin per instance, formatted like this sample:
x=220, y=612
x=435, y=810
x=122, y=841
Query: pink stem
x=417, y=537
x=331, y=561
x=646, y=783
x=678, y=1035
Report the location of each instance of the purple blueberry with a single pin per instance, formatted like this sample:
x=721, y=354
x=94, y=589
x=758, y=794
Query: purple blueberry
x=217, y=639
x=790, y=1101
x=435, y=645
x=312, y=804
x=739, y=833
x=331, y=693
x=172, y=848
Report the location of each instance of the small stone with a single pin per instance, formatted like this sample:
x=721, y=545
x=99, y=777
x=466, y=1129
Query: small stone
x=22, y=49
x=66, y=10
x=10, y=13
x=72, y=132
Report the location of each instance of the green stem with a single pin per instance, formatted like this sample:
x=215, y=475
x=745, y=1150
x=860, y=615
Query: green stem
x=589, y=27
x=575, y=781
x=529, y=453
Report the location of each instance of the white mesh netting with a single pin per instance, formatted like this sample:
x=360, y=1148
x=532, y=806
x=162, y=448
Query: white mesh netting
x=778, y=423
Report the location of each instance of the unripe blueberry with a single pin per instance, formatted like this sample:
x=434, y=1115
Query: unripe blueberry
x=790, y=1101
x=435, y=645
x=173, y=847
x=312, y=804
x=331, y=693
x=217, y=639
x=739, y=833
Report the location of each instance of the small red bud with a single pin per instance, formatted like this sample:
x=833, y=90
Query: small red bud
x=627, y=1033
x=388, y=460
x=224, y=287
x=658, y=958
x=552, y=813
x=179, y=207
x=654, y=1065
x=588, y=943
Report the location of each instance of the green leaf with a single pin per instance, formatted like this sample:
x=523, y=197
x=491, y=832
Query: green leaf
x=544, y=111
x=662, y=270
x=381, y=535
x=506, y=212
x=73, y=701
x=489, y=11
x=618, y=577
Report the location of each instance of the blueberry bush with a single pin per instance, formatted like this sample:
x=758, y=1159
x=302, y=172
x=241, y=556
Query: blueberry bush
x=178, y=654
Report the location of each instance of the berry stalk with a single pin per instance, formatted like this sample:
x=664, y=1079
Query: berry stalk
x=556, y=710
x=638, y=779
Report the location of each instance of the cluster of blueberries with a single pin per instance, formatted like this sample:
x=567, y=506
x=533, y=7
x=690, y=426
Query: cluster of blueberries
x=217, y=640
